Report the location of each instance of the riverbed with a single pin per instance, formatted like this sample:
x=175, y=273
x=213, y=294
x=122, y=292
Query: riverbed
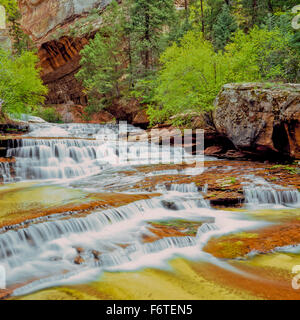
x=86, y=215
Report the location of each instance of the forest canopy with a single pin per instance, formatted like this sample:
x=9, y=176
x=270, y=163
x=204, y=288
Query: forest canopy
x=176, y=61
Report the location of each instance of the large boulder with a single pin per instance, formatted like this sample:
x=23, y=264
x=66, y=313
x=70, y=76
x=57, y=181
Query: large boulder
x=260, y=119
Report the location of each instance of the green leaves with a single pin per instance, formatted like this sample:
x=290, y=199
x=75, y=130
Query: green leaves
x=102, y=59
x=191, y=77
x=223, y=28
x=20, y=85
x=192, y=73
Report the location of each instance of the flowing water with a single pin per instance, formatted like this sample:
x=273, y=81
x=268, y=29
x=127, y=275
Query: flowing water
x=93, y=158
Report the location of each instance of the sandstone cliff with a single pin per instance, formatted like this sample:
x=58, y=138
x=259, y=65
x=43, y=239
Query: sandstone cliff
x=260, y=119
x=60, y=29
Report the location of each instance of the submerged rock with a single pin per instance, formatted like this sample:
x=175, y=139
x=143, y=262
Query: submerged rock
x=260, y=119
x=78, y=260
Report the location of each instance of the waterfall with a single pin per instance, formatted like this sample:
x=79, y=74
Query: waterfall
x=5, y=172
x=56, y=158
x=205, y=228
x=18, y=242
x=72, y=130
x=120, y=257
x=184, y=188
x=269, y=195
x=24, y=240
x=76, y=150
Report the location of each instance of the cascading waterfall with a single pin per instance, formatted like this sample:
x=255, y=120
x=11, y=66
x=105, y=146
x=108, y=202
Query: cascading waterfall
x=19, y=243
x=51, y=245
x=261, y=195
x=56, y=158
x=13, y=243
x=115, y=238
x=78, y=130
x=5, y=172
x=185, y=188
x=262, y=192
x=119, y=257
x=78, y=150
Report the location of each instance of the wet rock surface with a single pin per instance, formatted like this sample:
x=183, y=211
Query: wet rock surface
x=225, y=180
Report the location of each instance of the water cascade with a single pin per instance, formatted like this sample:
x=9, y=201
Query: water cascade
x=262, y=192
x=5, y=172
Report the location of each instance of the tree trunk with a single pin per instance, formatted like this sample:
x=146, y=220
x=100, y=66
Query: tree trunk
x=270, y=6
x=202, y=17
x=147, y=37
x=254, y=8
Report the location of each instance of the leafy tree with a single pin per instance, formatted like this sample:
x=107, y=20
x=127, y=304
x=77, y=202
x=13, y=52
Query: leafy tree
x=49, y=114
x=267, y=53
x=256, y=11
x=21, y=88
x=193, y=73
x=223, y=28
x=190, y=79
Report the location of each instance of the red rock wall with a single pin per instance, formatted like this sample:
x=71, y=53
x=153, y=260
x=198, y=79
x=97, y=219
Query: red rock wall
x=60, y=62
x=43, y=20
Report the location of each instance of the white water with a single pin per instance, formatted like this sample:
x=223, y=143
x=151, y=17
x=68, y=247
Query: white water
x=5, y=172
x=79, y=150
x=43, y=250
x=261, y=192
x=46, y=249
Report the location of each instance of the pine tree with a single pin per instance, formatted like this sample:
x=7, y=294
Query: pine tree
x=223, y=28
x=21, y=41
x=149, y=21
x=103, y=59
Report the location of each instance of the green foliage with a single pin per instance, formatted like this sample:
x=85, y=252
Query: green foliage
x=21, y=41
x=193, y=73
x=191, y=77
x=49, y=114
x=123, y=56
x=102, y=59
x=264, y=54
x=148, y=26
x=223, y=28
x=188, y=79
x=20, y=85
x=256, y=11
x=176, y=62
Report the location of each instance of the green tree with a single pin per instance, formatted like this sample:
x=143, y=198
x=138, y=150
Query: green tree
x=193, y=73
x=224, y=27
x=21, y=88
x=103, y=61
x=191, y=76
x=21, y=41
x=150, y=21
x=266, y=53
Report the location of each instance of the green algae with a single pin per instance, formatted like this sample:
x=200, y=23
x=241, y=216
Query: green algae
x=274, y=215
x=21, y=199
